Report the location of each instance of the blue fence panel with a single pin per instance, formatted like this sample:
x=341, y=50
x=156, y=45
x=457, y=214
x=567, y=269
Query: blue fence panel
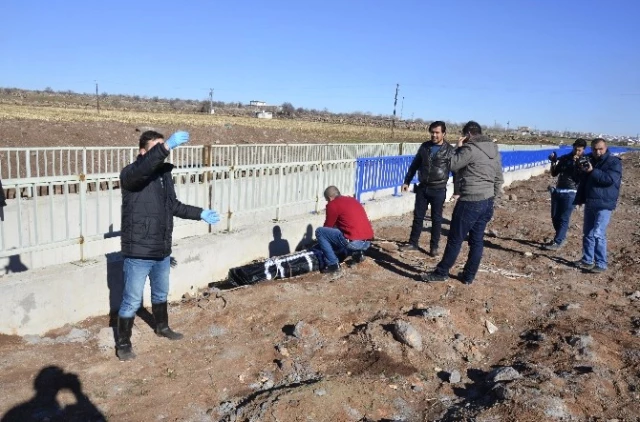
x=377, y=173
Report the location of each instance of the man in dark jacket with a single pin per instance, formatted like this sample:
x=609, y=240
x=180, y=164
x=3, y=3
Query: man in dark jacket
x=478, y=167
x=149, y=204
x=566, y=168
x=598, y=191
x=433, y=162
x=3, y=203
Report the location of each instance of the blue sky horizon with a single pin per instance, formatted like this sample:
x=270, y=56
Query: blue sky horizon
x=557, y=65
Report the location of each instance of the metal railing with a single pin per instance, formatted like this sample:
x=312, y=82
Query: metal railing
x=55, y=217
x=17, y=163
x=379, y=173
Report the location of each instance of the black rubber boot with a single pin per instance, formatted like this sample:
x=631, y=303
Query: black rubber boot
x=124, y=350
x=161, y=316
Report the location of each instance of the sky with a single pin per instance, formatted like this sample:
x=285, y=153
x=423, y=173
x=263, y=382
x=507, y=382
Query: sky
x=548, y=64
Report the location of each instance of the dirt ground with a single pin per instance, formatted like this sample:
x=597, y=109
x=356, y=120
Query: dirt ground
x=35, y=133
x=533, y=339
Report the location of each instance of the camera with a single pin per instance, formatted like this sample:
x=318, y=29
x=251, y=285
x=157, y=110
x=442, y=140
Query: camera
x=553, y=157
x=583, y=163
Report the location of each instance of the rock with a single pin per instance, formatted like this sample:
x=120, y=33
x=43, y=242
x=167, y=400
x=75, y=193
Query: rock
x=216, y=331
x=459, y=336
x=502, y=392
x=570, y=306
x=106, y=340
x=320, y=392
x=528, y=254
x=34, y=339
x=304, y=330
x=493, y=233
x=353, y=414
x=435, y=312
x=580, y=342
x=405, y=333
x=634, y=296
x=454, y=377
x=490, y=327
x=417, y=388
x=282, y=350
x=512, y=197
x=504, y=374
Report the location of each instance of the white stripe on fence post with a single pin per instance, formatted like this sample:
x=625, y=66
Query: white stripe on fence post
x=280, y=192
x=230, y=206
x=83, y=201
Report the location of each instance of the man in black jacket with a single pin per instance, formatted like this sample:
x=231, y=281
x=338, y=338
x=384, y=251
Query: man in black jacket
x=566, y=168
x=149, y=204
x=433, y=161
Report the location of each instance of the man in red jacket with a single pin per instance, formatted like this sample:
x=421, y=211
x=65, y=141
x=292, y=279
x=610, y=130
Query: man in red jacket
x=346, y=230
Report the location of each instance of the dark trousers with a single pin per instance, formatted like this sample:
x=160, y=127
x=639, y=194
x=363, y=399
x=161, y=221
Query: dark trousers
x=561, y=209
x=424, y=198
x=469, y=218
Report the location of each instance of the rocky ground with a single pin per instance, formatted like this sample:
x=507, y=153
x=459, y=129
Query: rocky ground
x=533, y=339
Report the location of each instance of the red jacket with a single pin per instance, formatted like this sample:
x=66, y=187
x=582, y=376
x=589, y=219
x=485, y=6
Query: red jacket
x=348, y=215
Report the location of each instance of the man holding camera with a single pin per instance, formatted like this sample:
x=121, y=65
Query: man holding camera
x=598, y=191
x=567, y=170
x=479, y=180
x=433, y=161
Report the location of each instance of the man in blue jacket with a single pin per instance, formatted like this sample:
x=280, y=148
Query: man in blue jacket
x=598, y=191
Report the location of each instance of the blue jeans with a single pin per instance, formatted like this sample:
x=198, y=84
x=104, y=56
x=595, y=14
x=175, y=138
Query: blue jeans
x=561, y=209
x=594, y=236
x=333, y=242
x=135, y=275
x=469, y=218
x=424, y=198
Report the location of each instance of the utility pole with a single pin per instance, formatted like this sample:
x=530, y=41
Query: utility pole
x=97, y=98
x=395, y=103
x=211, y=101
x=508, y=125
x=402, y=107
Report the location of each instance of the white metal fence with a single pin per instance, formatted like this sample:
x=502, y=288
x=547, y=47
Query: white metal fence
x=61, y=218
x=18, y=163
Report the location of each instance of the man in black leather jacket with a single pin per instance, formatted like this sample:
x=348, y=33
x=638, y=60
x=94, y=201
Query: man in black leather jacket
x=149, y=204
x=433, y=161
x=567, y=170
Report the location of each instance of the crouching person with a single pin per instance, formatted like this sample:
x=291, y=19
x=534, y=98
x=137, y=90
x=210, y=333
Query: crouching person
x=149, y=204
x=347, y=230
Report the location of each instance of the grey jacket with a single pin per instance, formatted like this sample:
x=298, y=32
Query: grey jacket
x=478, y=169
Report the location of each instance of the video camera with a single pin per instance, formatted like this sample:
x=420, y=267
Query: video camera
x=583, y=163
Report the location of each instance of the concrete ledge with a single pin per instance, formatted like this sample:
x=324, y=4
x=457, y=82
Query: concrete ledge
x=42, y=299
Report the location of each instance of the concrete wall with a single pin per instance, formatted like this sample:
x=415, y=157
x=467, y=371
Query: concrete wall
x=39, y=300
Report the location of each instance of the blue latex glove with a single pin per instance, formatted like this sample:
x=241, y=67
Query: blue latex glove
x=177, y=139
x=210, y=216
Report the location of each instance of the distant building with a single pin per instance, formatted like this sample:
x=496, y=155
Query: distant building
x=264, y=115
x=256, y=103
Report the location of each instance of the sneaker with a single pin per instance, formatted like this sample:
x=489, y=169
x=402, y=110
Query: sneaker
x=461, y=278
x=434, y=252
x=331, y=269
x=598, y=270
x=357, y=257
x=432, y=277
x=553, y=246
x=409, y=247
x=583, y=265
